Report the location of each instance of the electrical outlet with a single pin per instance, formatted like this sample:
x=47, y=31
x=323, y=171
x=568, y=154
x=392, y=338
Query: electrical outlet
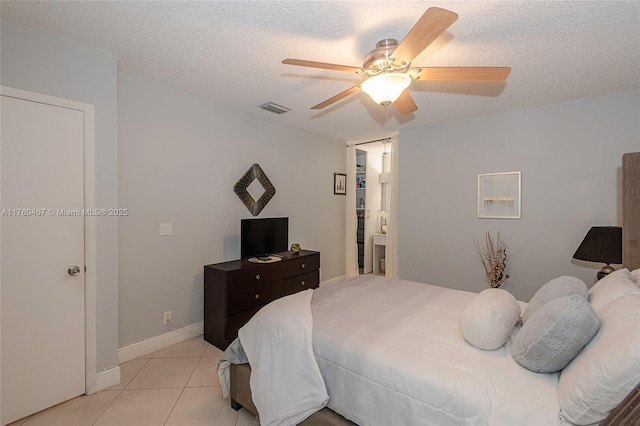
x=167, y=317
x=166, y=229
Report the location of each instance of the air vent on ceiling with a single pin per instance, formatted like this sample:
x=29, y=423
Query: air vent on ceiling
x=278, y=109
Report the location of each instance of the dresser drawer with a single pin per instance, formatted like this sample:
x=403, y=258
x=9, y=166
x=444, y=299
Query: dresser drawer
x=302, y=282
x=245, y=279
x=260, y=295
x=302, y=265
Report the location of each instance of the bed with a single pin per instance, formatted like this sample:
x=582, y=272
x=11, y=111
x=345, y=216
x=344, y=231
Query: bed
x=390, y=352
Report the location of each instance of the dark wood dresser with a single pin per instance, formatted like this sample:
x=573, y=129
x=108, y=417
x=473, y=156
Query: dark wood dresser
x=234, y=291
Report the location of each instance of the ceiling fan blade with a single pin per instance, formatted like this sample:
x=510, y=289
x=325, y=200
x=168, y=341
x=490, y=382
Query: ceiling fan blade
x=336, y=97
x=463, y=73
x=429, y=27
x=323, y=65
x=405, y=103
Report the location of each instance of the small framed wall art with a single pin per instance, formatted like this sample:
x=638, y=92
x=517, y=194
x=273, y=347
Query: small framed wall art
x=499, y=195
x=340, y=183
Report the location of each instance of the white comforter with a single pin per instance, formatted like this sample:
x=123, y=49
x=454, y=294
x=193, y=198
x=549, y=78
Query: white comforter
x=286, y=385
x=391, y=353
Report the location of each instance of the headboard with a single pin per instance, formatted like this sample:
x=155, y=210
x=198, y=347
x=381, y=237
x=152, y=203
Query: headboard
x=628, y=411
x=631, y=210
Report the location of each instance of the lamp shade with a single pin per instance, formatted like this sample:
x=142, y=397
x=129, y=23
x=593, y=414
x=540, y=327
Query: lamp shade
x=601, y=244
x=386, y=88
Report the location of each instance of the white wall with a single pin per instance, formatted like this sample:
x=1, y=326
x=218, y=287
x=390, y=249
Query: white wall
x=179, y=156
x=570, y=157
x=40, y=62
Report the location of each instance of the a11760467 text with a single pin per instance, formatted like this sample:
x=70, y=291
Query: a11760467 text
x=37, y=212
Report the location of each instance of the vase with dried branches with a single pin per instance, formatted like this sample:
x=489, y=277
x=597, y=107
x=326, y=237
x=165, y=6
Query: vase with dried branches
x=494, y=260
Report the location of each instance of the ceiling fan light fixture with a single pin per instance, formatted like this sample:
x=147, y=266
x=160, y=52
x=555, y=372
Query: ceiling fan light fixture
x=388, y=67
x=387, y=87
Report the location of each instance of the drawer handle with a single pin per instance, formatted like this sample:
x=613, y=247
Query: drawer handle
x=257, y=296
x=258, y=277
x=302, y=266
x=302, y=283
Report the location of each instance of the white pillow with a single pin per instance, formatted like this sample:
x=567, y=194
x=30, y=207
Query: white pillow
x=612, y=287
x=557, y=287
x=602, y=284
x=635, y=276
x=488, y=320
x=607, y=369
x=555, y=334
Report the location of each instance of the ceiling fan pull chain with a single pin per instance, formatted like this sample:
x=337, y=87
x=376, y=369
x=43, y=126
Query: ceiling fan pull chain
x=386, y=118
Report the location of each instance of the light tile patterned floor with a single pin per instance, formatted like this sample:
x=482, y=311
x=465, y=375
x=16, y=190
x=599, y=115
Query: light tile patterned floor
x=176, y=386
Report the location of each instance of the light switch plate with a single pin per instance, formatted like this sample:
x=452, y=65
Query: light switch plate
x=166, y=228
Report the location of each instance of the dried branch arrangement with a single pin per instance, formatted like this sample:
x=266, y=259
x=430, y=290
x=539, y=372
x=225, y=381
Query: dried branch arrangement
x=494, y=260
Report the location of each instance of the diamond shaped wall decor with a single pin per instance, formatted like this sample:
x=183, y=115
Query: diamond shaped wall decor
x=240, y=188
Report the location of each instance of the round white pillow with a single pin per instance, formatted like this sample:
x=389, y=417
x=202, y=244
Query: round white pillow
x=489, y=318
x=557, y=287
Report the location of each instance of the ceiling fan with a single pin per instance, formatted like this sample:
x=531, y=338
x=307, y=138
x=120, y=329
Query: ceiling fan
x=388, y=66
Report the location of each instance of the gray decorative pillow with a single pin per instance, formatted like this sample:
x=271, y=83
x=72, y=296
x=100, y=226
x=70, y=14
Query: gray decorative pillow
x=555, y=334
x=489, y=319
x=557, y=287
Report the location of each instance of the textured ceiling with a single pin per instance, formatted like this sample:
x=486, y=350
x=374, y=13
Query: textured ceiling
x=232, y=51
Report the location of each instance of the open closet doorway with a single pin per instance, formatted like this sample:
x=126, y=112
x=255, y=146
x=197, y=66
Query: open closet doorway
x=369, y=209
x=368, y=186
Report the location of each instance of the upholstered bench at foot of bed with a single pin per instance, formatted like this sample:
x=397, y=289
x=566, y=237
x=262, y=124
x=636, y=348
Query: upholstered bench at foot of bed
x=241, y=398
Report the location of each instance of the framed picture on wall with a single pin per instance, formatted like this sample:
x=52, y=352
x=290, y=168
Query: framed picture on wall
x=340, y=183
x=499, y=195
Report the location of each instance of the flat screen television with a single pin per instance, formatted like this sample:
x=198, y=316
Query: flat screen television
x=262, y=237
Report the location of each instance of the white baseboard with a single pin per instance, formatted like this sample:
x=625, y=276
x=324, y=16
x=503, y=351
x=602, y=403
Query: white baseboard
x=144, y=347
x=333, y=280
x=107, y=378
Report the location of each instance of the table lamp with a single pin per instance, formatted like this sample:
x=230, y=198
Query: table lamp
x=601, y=244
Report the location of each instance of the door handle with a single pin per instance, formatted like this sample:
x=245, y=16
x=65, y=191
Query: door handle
x=73, y=270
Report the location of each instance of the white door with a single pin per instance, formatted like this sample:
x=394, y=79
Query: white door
x=43, y=324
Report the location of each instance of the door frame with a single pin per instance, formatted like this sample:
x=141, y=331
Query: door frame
x=90, y=277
